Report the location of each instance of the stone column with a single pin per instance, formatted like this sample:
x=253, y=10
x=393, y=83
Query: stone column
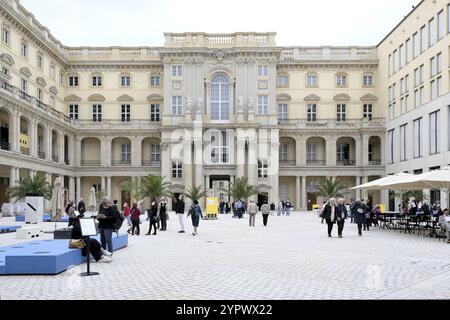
x=331, y=151
x=48, y=178
x=297, y=194
x=12, y=177
x=304, y=194
x=166, y=162
x=358, y=191
x=106, y=148
x=103, y=185
x=77, y=158
x=32, y=173
x=382, y=150
x=240, y=157
x=385, y=198
x=49, y=147
x=198, y=160
x=78, y=192
x=274, y=168
x=15, y=127
x=364, y=193
x=72, y=189
x=33, y=138
x=108, y=188
x=253, y=161
x=61, y=146
x=300, y=150
x=71, y=147
x=365, y=151
x=187, y=167
x=358, y=151
x=136, y=152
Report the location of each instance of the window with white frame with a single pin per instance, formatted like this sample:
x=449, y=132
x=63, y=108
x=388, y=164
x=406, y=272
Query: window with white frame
x=126, y=112
x=263, y=105
x=433, y=66
x=283, y=192
x=416, y=45
x=441, y=25
x=439, y=86
x=416, y=77
x=341, y=80
x=391, y=108
x=177, y=71
x=219, y=146
x=283, y=153
x=52, y=71
x=220, y=98
x=368, y=111
x=282, y=113
x=423, y=39
x=431, y=32
x=283, y=80
x=177, y=170
x=61, y=79
x=97, y=113
x=343, y=152
x=402, y=105
x=407, y=103
x=52, y=101
x=73, y=81
x=417, y=138
x=311, y=112
x=391, y=145
x=40, y=144
x=439, y=63
x=403, y=133
x=155, y=80
x=125, y=152
x=177, y=105
x=406, y=83
x=311, y=80
x=24, y=50
x=401, y=59
x=263, y=70
x=125, y=80
x=263, y=169
x=402, y=86
x=39, y=95
x=155, y=153
x=408, y=51
x=311, y=152
x=5, y=35
x=448, y=20
x=73, y=111
x=368, y=80
x=433, y=89
x=421, y=77
x=434, y=133
x=390, y=66
x=341, y=112
x=155, y=115
x=40, y=61
x=24, y=85
x=97, y=81
x=394, y=61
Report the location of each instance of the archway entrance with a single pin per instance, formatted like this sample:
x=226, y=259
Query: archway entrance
x=217, y=184
x=263, y=197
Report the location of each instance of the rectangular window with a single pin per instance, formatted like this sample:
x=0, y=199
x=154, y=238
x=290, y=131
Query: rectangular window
x=390, y=67
x=52, y=71
x=368, y=80
x=402, y=106
x=432, y=67
x=263, y=70
x=423, y=39
x=403, y=154
x=282, y=113
x=263, y=169
x=391, y=146
x=126, y=113
x=311, y=80
x=125, y=152
x=406, y=103
x=439, y=86
x=311, y=152
x=431, y=32
x=73, y=81
x=219, y=147
x=5, y=36
x=96, y=81
x=177, y=170
x=155, y=115
x=341, y=112
x=73, y=111
x=394, y=61
x=434, y=133
x=368, y=111
x=24, y=85
x=408, y=51
x=155, y=81
x=97, y=113
x=24, y=50
x=40, y=62
x=283, y=81
x=125, y=81
x=177, y=71
x=448, y=18
x=433, y=89
x=52, y=101
x=343, y=152
x=421, y=73
x=441, y=25
x=406, y=83
x=263, y=105
x=438, y=63
x=416, y=45
x=155, y=153
x=39, y=95
x=401, y=58
x=177, y=106
x=341, y=81
x=312, y=112
x=417, y=138
x=283, y=154
x=402, y=86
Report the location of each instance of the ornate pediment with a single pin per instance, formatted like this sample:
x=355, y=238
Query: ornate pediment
x=8, y=59
x=96, y=97
x=312, y=97
x=369, y=97
x=155, y=97
x=125, y=97
x=342, y=97
x=263, y=187
x=177, y=188
x=284, y=97
x=26, y=72
x=54, y=90
x=41, y=81
x=72, y=97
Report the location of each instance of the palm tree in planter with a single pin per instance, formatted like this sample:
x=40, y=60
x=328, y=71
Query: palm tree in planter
x=152, y=187
x=331, y=188
x=241, y=189
x=195, y=193
x=36, y=186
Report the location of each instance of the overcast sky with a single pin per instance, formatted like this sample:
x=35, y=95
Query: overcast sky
x=142, y=22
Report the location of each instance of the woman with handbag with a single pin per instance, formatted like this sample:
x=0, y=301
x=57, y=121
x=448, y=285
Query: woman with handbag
x=329, y=214
x=163, y=214
x=135, y=216
x=77, y=241
x=196, y=213
x=152, y=214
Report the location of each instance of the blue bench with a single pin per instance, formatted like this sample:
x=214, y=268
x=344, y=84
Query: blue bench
x=45, y=257
x=46, y=218
x=8, y=229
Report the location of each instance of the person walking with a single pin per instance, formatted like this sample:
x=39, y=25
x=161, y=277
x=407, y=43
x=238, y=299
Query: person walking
x=280, y=208
x=265, y=210
x=289, y=207
x=135, y=216
x=228, y=207
x=252, y=211
x=367, y=213
x=329, y=214
x=152, y=214
x=162, y=214
x=126, y=213
x=179, y=210
x=359, y=213
x=196, y=213
x=412, y=207
x=106, y=217
x=81, y=206
x=341, y=214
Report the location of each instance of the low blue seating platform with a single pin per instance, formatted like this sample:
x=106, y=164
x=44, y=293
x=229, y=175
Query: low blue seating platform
x=45, y=257
x=8, y=229
x=46, y=218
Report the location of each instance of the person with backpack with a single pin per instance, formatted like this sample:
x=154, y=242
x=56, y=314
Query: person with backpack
x=196, y=213
x=265, y=210
x=359, y=213
x=152, y=214
x=341, y=215
x=135, y=216
x=106, y=217
x=163, y=214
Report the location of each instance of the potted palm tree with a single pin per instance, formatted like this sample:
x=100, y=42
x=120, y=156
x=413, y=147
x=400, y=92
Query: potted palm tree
x=36, y=186
x=241, y=189
x=194, y=193
x=152, y=187
x=331, y=188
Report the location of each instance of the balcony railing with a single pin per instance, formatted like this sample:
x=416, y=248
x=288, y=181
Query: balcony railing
x=375, y=163
x=346, y=163
x=41, y=105
x=287, y=163
x=5, y=146
x=41, y=155
x=317, y=163
x=151, y=163
x=25, y=96
x=25, y=150
x=334, y=123
x=55, y=158
x=67, y=162
x=120, y=163
x=90, y=163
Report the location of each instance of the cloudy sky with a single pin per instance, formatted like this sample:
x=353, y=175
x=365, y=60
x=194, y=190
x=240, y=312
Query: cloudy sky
x=142, y=22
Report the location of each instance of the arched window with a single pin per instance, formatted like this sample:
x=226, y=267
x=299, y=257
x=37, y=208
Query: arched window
x=220, y=97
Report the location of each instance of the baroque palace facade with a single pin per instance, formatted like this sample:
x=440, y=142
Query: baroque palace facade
x=201, y=110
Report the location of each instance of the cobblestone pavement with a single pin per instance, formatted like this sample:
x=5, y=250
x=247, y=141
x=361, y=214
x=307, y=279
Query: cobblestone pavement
x=290, y=259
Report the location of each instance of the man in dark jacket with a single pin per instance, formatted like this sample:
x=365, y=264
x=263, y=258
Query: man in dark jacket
x=359, y=213
x=179, y=210
x=106, y=217
x=329, y=214
x=81, y=206
x=341, y=216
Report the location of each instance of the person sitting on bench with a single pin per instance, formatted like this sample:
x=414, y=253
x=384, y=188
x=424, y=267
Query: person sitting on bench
x=99, y=254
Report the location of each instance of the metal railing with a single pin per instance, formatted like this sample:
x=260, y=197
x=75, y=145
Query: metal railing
x=90, y=163
x=25, y=150
x=120, y=163
x=67, y=162
x=287, y=163
x=41, y=155
x=334, y=123
x=151, y=163
x=346, y=163
x=316, y=162
x=5, y=146
x=375, y=163
x=55, y=158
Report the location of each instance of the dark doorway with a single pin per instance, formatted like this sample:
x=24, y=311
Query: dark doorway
x=262, y=198
x=125, y=198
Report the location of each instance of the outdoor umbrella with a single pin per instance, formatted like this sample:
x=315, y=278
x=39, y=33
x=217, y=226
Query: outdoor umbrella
x=383, y=183
x=57, y=201
x=92, y=200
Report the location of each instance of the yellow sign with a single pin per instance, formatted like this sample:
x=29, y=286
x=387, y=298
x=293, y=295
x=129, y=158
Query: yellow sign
x=212, y=205
x=382, y=208
x=315, y=206
x=23, y=140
